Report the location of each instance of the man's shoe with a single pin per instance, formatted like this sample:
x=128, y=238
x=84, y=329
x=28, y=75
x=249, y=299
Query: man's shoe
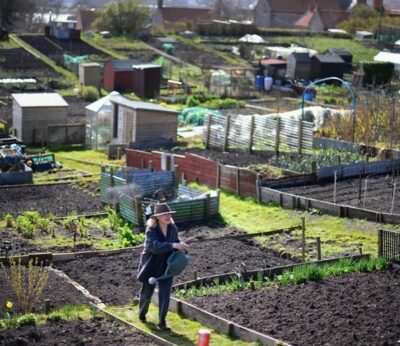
x=142, y=319
x=164, y=327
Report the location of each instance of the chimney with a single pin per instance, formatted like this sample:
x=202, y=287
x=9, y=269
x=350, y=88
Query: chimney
x=159, y=4
x=377, y=3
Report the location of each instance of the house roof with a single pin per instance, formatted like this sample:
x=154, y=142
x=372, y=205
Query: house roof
x=124, y=65
x=176, y=14
x=306, y=20
x=329, y=58
x=123, y=101
x=39, y=100
x=300, y=6
x=301, y=57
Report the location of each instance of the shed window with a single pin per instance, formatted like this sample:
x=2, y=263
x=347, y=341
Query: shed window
x=115, y=121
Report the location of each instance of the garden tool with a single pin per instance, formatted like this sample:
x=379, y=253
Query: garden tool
x=176, y=263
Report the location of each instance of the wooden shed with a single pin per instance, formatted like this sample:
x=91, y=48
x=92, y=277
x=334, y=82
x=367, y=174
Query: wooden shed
x=345, y=54
x=141, y=125
x=34, y=114
x=298, y=66
x=118, y=74
x=90, y=74
x=146, y=80
x=326, y=65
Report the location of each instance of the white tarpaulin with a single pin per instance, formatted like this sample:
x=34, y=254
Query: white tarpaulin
x=252, y=38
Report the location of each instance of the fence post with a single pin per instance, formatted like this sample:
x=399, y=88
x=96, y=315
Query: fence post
x=237, y=180
x=111, y=177
x=318, y=248
x=258, y=188
x=176, y=175
x=208, y=206
x=314, y=167
x=126, y=175
x=380, y=243
x=228, y=118
x=138, y=210
x=277, y=135
x=300, y=134
x=303, y=238
x=208, y=131
x=250, y=148
x=218, y=183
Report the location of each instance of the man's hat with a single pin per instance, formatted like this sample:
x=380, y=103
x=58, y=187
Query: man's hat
x=162, y=209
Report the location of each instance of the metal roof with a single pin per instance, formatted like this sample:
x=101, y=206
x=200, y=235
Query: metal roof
x=103, y=103
x=124, y=65
x=145, y=66
x=123, y=101
x=329, y=58
x=40, y=100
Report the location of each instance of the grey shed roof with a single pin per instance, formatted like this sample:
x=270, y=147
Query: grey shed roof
x=123, y=101
x=39, y=100
x=339, y=51
x=124, y=65
x=301, y=57
x=329, y=58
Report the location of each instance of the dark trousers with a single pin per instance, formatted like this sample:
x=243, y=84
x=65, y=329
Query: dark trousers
x=164, y=293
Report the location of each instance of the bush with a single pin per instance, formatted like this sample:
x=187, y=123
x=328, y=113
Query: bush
x=89, y=93
x=55, y=317
x=27, y=320
x=8, y=218
x=377, y=72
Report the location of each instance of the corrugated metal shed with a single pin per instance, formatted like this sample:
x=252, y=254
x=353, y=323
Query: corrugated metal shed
x=39, y=100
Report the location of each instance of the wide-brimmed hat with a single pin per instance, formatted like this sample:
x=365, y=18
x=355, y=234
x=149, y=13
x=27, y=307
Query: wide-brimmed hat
x=162, y=209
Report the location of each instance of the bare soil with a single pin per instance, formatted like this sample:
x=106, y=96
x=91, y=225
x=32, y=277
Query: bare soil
x=113, y=278
x=95, y=331
x=59, y=199
x=378, y=196
x=354, y=309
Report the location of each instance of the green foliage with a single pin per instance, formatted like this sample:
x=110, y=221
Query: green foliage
x=27, y=320
x=362, y=17
x=115, y=221
x=128, y=238
x=89, y=93
x=9, y=219
x=377, y=72
x=55, y=317
x=122, y=17
x=104, y=225
x=213, y=102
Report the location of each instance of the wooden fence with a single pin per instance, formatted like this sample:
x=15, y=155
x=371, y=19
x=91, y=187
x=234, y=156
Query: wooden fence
x=389, y=244
x=194, y=168
x=124, y=190
x=257, y=133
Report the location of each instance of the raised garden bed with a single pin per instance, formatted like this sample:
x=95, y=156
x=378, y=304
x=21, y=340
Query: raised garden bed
x=113, y=278
x=354, y=309
x=94, y=331
x=58, y=199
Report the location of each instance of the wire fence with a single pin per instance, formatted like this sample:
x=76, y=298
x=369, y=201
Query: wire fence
x=258, y=133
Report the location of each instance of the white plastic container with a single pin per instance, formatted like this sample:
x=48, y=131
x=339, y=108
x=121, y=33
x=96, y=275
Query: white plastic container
x=268, y=83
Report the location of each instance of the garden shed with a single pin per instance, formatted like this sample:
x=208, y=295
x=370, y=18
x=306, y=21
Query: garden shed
x=39, y=117
x=98, y=122
x=275, y=68
x=90, y=74
x=326, y=65
x=118, y=74
x=345, y=54
x=142, y=124
x=299, y=66
x=146, y=80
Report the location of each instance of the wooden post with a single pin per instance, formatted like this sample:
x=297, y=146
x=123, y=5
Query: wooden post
x=168, y=162
x=300, y=134
x=218, y=194
x=195, y=275
x=176, y=175
x=138, y=211
x=380, y=243
x=47, y=306
x=277, y=135
x=208, y=206
x=208, y=131
x=237, y=180
x=360, y=250
x=251, y=134
x=314, y=167
x=218, y=182
x=151, y=165
x=318, y=248
x=359, y=186
x=111, y=177
x=303, y=238
x=126, y=173
x=258, y=188
x=102, y=169
x=225, y=148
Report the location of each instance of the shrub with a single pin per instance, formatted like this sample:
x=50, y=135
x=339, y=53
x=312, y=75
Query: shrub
x=89, y=93
x=128, y=238
x=27, y=282
x=27, y=320
x=8, y=218
x=377, y=72
x=55, y=317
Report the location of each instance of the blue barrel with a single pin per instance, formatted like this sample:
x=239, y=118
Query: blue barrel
x=260, y=82
x=308, y=96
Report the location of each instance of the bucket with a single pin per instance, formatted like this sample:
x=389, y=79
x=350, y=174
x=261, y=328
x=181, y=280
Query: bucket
x=308, y=96
x=260, y=82
x=268, y=83
x=204, y=337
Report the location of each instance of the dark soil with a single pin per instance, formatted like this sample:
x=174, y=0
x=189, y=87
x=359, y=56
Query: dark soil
x=20, y=246
x=225, y=158
x=379, y=195
x=113, y=278
x=59, y=199
x=95, y=331
x=355, y=309
x=57, y=290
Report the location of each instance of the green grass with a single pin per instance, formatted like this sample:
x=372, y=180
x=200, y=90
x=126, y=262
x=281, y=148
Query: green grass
x=8, y=44
x=184, y=332
x=359, y=51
